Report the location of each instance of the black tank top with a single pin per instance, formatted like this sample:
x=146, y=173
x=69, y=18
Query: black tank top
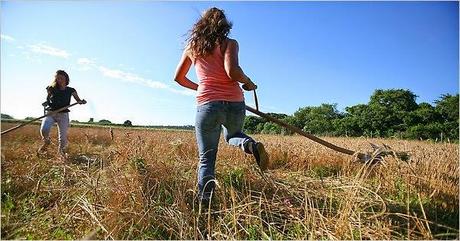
x=59, y=98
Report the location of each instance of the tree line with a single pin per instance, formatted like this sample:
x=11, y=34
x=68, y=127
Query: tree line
x=102, y=122
x=389, y=113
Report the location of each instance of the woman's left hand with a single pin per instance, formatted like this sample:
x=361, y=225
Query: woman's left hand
x=81, y=102
x=249, y=86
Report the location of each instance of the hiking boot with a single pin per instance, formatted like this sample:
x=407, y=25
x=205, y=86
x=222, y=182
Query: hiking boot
x=204, y=204
x=208, y=207
x=43, y=148
x=63, y=155
x=261, y=156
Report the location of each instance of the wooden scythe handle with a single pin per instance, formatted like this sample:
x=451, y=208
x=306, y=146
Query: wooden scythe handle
x=38, y=118
x=303, y=133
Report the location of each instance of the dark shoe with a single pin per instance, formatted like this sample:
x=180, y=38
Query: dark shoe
x=43, y=149
x=205, y=205
x=63, y=155
x=198, y=204
x=261, y=156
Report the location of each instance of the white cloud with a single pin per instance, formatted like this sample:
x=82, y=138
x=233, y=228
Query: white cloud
x=32, y=58
x=86, y=61
x=45, y=49
x=7, y=38
x=188, y=92
x=136, y=79
x=85, y=64
x=130, y=77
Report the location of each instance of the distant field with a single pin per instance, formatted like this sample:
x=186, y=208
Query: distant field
x=16, y=122
x=141, y=183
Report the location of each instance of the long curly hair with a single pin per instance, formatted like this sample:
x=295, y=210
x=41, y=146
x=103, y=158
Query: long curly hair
x=54, y=84
x=211, y=29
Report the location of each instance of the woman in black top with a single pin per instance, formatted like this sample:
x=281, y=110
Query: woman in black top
x=59, y=95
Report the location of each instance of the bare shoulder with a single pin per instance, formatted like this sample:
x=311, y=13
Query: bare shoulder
x=232, y=45
x=232, y=42
x=188, y=51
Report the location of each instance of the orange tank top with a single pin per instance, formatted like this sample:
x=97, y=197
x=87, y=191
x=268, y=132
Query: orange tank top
x=214, y=83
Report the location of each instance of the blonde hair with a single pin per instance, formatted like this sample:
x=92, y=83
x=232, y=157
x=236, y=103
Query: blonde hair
x=54, y=82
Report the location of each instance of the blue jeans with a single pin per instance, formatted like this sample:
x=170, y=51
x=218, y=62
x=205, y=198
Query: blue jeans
x=62, y=120
x=210, y=118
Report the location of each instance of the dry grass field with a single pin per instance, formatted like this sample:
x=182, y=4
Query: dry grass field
x=141, y=184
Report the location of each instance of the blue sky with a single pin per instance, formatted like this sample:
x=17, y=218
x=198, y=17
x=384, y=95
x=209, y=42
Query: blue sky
x=121, y=55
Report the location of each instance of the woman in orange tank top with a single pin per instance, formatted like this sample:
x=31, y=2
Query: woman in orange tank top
x=219, y=96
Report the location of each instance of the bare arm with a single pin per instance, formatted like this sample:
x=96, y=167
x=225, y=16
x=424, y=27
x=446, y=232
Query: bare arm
x=80, y=101
x=233, y=68
x=181, y=72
